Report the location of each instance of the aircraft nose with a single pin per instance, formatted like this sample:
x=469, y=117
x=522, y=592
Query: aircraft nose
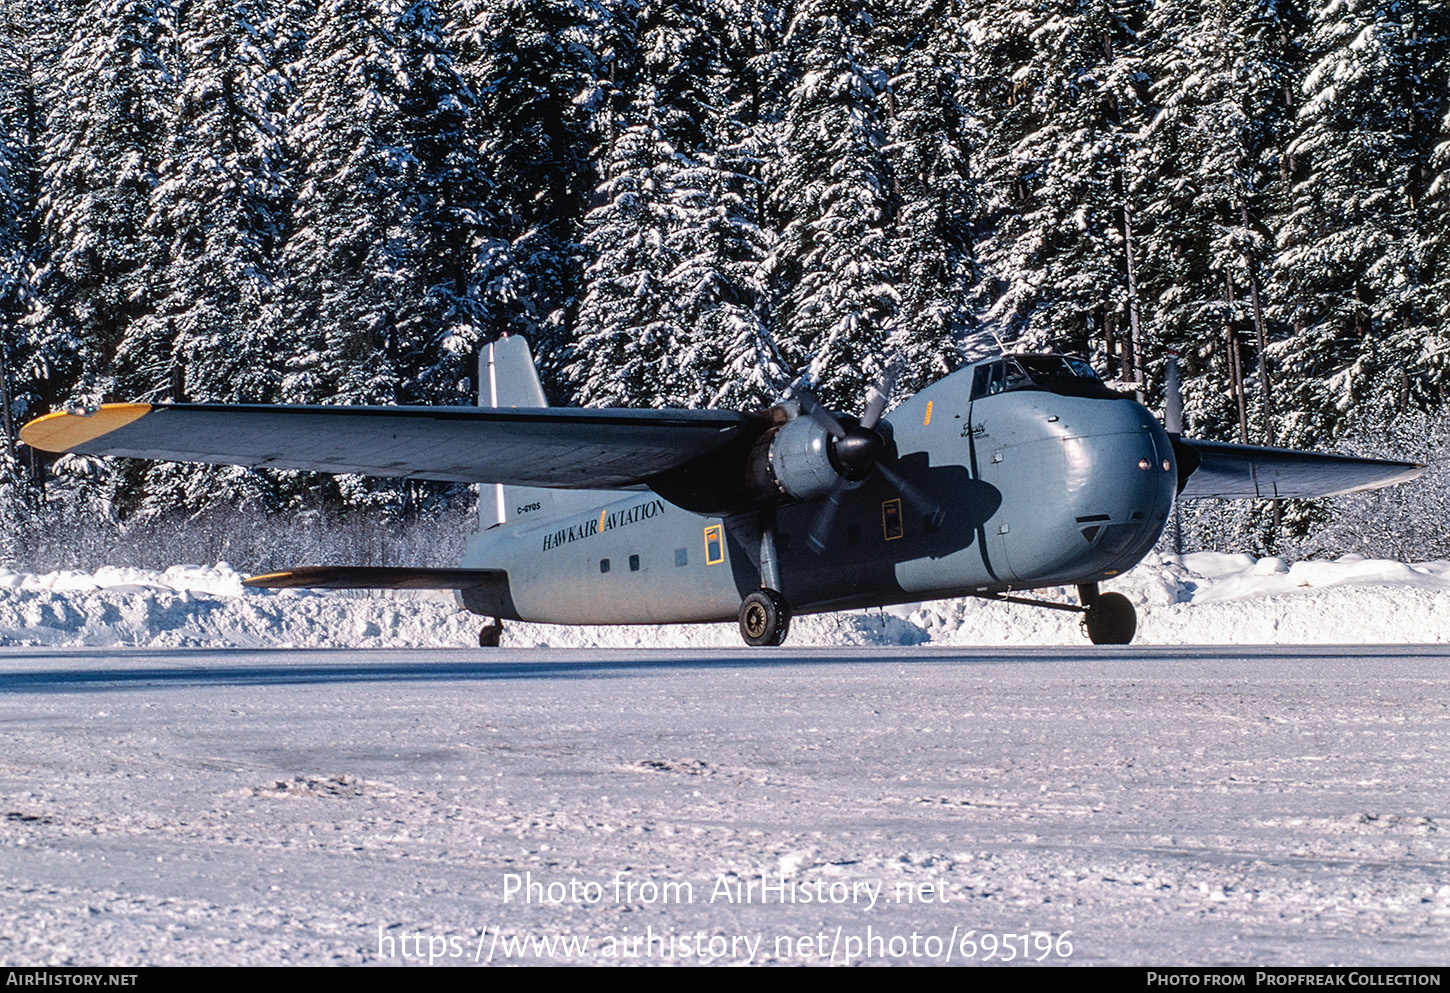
x=1086, y=497
x=1121, y=483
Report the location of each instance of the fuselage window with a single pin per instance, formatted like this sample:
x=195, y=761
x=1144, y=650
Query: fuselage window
x=634, y=563
x=603, y=565
x=682, y=556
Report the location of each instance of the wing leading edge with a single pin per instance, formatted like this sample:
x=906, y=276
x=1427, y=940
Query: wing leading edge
x=557, y=447
x=336, y=577
x=1234, y=472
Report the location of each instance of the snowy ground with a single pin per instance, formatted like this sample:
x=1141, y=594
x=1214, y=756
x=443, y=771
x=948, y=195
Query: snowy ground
x=184, y=803
x=1208, y=598
x=1163, y=805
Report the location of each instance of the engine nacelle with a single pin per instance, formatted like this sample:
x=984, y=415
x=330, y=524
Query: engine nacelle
x=792, y=460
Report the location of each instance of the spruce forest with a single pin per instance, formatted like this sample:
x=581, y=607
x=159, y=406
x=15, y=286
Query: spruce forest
x=693, y=203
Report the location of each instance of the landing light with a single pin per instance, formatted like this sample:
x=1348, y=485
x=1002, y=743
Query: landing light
x=1144, y=464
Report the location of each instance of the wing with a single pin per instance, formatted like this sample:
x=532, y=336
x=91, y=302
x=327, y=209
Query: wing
x=558, y=447
x=1226, y=471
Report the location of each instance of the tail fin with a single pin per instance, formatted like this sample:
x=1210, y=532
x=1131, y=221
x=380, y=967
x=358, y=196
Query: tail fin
x=507, y=378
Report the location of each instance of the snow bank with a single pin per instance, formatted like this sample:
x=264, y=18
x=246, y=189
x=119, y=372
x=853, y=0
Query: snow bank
x=1206, y=598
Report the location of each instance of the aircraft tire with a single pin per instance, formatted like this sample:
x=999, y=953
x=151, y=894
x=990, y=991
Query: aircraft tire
x=764, y=618
x=489, y=635
x=1110, y=620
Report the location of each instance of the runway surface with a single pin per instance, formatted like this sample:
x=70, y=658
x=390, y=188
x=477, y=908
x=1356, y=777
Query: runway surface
x=1131, y=806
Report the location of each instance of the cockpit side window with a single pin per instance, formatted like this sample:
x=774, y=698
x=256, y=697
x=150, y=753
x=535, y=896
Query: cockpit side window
x=989, y=380
x=1016, y=378
x=980, y=375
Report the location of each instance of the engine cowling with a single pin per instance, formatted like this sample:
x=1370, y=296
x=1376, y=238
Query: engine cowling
x=802, y=453
x=792, y=460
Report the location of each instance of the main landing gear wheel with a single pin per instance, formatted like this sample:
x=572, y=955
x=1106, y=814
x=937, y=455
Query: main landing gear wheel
x=764, y=618
x=488, y=637
x=1110, y=620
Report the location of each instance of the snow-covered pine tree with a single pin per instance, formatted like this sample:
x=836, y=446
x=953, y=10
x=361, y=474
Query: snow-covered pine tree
x=395, y=226
x=690, y=52
x=1431, y=179
x=219, y=210
x=747, y=110
x=393, y=219
x=14, y=284
x=832, y=199
x=343, y=308
x=932, y=134
x=629, y=345
x=1066, y=163
x=108, y=98
x=24, y=40
x=1351, y=275
x=1437, y=246
x=533, y=66
x=674, y=294
x=1215, y=148
x=452, y=246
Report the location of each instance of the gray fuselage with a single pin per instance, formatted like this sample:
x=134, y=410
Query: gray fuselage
x=1039, y=488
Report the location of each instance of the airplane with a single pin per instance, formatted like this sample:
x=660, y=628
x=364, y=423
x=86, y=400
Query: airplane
x=1011, y=474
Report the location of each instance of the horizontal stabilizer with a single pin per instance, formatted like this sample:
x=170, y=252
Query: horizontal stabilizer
x=341, y=577
x=1232, y=472
x=569, y=448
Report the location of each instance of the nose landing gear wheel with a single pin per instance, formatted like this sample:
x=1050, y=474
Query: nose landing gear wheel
x=764, y=618
x=1110, y=620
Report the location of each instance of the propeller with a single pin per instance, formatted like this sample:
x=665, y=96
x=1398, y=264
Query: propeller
x=1184, y=454
x=857, y=450
x=1172, y=397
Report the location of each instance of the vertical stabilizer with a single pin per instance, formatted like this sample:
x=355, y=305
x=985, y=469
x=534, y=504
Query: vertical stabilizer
x=507, y=377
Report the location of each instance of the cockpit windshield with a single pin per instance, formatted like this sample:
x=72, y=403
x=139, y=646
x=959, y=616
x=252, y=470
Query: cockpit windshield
x=1053, y=373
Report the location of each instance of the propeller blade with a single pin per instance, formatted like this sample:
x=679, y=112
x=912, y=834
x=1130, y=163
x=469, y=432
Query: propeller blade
x=826, y=517
x=1172, y=397
x=812, y=408
x=915, y=497
x=879, y=397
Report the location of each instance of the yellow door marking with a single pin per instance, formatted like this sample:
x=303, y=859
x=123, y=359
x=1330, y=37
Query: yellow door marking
x=927, y=422
x=714, y=545
x=602, y=514
x=892, y=526
x=63, y=431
